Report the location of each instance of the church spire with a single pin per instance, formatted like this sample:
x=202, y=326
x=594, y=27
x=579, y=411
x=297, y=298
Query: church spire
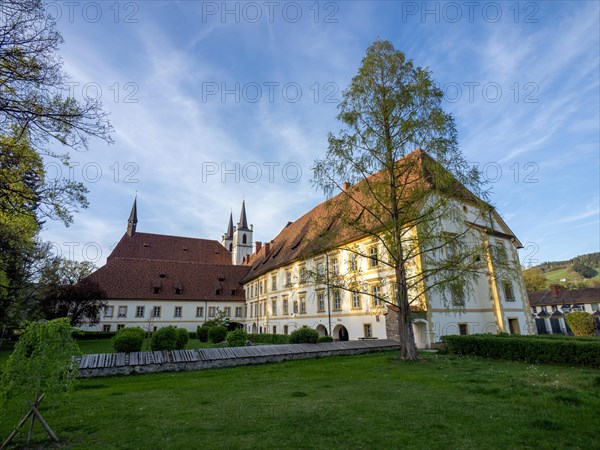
x=243, y=223
x=132, y=222
x=229, y=233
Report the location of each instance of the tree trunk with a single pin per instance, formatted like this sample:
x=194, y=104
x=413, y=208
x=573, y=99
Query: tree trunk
x=408, y=350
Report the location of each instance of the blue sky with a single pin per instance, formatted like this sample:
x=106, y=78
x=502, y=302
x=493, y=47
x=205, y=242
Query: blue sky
x=216, y=102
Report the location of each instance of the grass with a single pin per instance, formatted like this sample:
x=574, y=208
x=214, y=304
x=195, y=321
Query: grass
x=569, y=275
x=368, y=401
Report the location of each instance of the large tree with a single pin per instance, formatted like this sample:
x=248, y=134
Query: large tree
x=38, y=120
x=400, y=197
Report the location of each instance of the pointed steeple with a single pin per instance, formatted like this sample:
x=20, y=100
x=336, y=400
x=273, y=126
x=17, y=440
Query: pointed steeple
x=132, y=222
x=243, y=223
x=229, y=234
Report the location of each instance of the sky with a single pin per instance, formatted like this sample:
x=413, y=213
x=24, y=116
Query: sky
x=214, y=103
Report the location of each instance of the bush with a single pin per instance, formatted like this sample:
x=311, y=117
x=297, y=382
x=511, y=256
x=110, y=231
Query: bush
x=304, y=335
x=202, y=333
x=129, y=340
x=237, y=338
x=269, y=338
x=94, y=335
x=325, y=339
x=581, y=323
x=531, y=349
x=182, y=338
x=217, y=335
x=164, y=339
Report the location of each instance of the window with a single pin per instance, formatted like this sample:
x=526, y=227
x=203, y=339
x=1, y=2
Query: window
x=500, y=252
x=177, y=312
x=243, y=238
x=367, y=330
x=274, y=282
x=260, y=287
x=156, y=311
x=457, y=295
x=238, y=311
x=337, y=301
x=285, y=329
x=274, y=307
x=353, y=262
x=463, y=329
x=120, y=327
x=199, y=311
x=274, y=329
x=295, y=307
x=321, y=301
x=211, y=311
x=373, y=257
x=106, y=328
x=122, y=311
x=509, y=295
x=227, y=311
x=252, y=310
x=177, y=291
x=302, y=305
x=286, y=306
x=334, y=266
x=156, y=290
x=320, y=269
x=262, y=308
x=288, y=278
x=376, y=295
x=356, y=300
x=513, y=326
x=595, y=307
x=302, y=275
x=108, y=311
x=139, y=311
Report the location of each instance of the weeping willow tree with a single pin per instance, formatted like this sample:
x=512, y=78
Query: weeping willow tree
x=41, y=365
x=404, y=184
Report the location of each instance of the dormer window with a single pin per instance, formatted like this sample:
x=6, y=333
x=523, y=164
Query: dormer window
x=233, y=291
x=162, y=275
x=218, y=291
x=177, y=291
x=146, y=244
x=156, y=290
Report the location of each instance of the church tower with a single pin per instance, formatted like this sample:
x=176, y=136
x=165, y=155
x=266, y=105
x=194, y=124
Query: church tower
x=242, y=238
x=132, y=222
x=227, y=240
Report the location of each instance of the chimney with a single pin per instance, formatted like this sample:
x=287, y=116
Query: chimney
x=267, y=248
x=258, y=245
x=346, y=186
x=555, y=290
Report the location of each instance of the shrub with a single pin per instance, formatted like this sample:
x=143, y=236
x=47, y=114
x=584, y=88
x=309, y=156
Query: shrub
x=325, y=339
x=237, y=338
x=183, y=336
x=164, y=339
x=129, y=340
x=304, y=335
x=202, y=333
x=217, y=334
x=532, y=349
x=581, y=323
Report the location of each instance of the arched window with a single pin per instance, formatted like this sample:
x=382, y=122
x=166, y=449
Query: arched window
x=230, y=247
x=243, y=238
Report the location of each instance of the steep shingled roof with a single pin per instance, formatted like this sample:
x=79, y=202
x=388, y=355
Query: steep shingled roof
x=322, y=228
x=130, y=278
x=170, y=248
x=566, y=297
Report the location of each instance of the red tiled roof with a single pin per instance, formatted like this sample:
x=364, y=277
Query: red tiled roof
x=170, y=248
x=567, y=297
x=130, y=278
x=322, y=227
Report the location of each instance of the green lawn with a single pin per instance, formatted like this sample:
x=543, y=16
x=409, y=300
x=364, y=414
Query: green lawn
x=368, y=401
x=571, y=276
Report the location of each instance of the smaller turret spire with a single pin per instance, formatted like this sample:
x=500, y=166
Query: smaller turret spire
x=229, y=233
x=132, y=222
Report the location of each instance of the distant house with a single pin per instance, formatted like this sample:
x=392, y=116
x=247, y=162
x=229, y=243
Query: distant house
x=549, y=307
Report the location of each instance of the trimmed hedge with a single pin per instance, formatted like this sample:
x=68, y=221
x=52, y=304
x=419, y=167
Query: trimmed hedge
x=129, y=340
x=93, y=335
x=202, y=333
x=164, y=338
x=216, y=335
x=237, y=338
x=269, y=338
x=532, y=349
x=582, y=323
x=183, y=336
x=325, y=339
x=304, y=335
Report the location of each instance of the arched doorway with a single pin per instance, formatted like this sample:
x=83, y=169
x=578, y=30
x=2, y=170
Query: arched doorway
x=420, y=332
x=321, y=330
x=340, y=333
x=253, y=328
